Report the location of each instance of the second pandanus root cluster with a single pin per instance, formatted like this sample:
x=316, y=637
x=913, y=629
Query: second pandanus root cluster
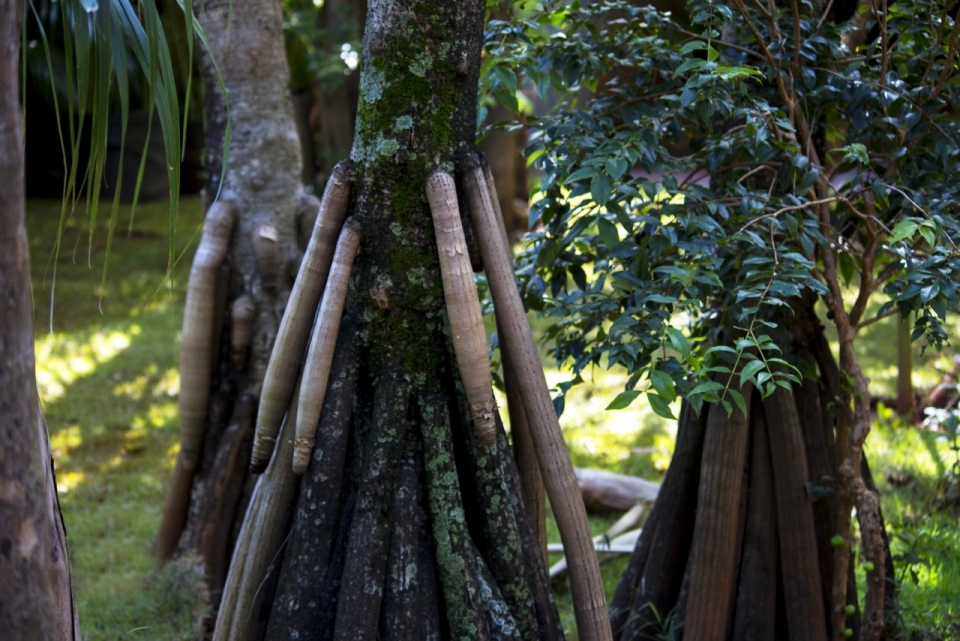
x=740, y=542
x=324, y=280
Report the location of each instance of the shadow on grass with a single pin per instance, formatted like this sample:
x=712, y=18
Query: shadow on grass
x=108, y=382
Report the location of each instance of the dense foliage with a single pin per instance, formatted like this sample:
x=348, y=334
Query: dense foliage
x=681, y=164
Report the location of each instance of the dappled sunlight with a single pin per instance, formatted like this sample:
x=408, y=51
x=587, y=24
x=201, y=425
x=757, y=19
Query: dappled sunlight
x=64, y=440
x=109, y=382
x=907, y=449
x=157, y=415
x=62, y=358
x=631, y=440
x=69, y=480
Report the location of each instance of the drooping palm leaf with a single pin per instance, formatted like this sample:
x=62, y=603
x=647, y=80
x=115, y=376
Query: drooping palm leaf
x=102, y=40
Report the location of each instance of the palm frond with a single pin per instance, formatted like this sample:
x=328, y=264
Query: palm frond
x=98, y=42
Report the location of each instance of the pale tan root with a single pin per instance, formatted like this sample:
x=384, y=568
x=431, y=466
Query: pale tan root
x=266, y=247
x=259, y=542
x=593, y=622
x=308, y=206
x=196, y=366
x=198, y=314
x=323, y=341
x=242, y=313
x=297, y=319
x=463, y=305
x=531, y=480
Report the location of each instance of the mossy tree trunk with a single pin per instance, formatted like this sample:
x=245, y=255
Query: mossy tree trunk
x=404, y=525
x=36, y=598
x=739, y=544
x=259, y=212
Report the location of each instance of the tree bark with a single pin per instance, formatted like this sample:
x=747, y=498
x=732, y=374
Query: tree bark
x=261, y=185
x=798, y=544
x=713, y=552
x=765, y=572
x=658, y=584
x=757, y=591
x=406, y=524
x=36, y=598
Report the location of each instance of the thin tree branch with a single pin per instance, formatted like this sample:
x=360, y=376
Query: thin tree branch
x=784, y=210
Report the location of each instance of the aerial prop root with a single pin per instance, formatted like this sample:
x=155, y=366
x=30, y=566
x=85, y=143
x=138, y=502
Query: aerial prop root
x=261, y=537
x=482, y=192
x=266, y=247
x=285, y=359
x=323, y=341
x=242, y=313
x=463, y=305
x=591, y=610
x=198, y=315
x=196, y=364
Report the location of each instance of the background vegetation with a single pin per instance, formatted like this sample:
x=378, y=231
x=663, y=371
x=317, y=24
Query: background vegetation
x=109, y=384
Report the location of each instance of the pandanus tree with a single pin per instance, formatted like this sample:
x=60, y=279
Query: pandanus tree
x=241, y=277
x=408, y=519
x=819, y=164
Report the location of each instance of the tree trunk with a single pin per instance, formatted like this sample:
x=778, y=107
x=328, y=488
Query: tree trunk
x=249, y=282
x=406, y=524
x=504, y=151
x=36, y=599
x=334, y=108
x=761, y=573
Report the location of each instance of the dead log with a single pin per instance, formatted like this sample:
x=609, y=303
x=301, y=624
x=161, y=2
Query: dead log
x=604, y=491
x=610, y=541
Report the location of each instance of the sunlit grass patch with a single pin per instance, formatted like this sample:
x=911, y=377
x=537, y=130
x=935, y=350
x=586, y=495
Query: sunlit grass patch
x=108, y=383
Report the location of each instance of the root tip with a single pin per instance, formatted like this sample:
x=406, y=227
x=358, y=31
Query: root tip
x=484, y=421
x=303, y=447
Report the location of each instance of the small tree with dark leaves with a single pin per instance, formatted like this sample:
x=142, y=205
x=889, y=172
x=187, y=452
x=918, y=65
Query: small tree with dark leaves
x=703, y=187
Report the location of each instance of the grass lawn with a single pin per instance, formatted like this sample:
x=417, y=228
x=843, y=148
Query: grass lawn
x=108, y=381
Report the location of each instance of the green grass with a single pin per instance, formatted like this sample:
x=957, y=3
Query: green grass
x=109, y=385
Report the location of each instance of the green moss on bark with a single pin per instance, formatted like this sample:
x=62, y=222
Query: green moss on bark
x=416, y=109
